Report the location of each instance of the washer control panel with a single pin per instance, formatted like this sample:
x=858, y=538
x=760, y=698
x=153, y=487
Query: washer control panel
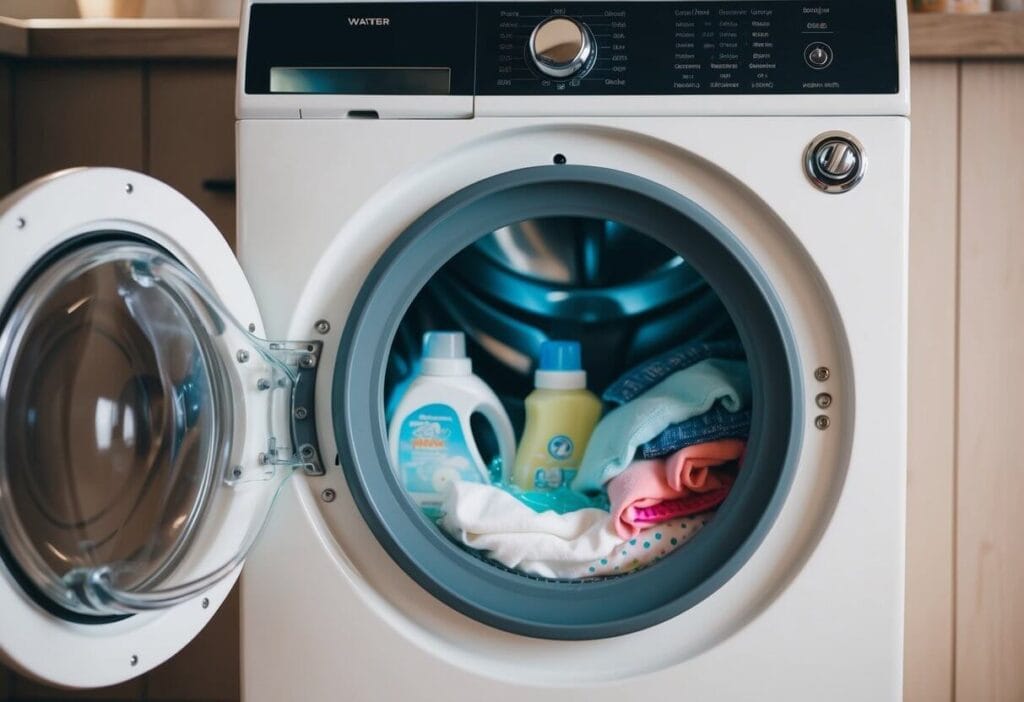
x=687, y=48
x=613, y=47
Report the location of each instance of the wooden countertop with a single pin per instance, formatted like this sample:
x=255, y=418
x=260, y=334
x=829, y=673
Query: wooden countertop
x=996, y=35
x=119, y=39
x=993, y=35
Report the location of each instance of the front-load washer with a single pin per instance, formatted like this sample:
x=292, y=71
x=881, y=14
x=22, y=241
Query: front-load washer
x=634, y=176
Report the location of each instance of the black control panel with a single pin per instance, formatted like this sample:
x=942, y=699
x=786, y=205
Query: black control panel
x=709, y=47
x=327, y=48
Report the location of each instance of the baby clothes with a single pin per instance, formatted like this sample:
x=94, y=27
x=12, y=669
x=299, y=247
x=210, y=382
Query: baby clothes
x=649, y=492
x=694, y=503
x=647, y=547
x=683, y=395
x=570, y=546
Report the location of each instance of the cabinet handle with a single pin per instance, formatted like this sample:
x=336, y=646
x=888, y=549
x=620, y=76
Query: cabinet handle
x=220, y=185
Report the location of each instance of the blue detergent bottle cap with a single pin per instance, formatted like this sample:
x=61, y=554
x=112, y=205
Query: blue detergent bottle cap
x=560, y=356
x=444, y=344
x=561, y=366
x=444, y=353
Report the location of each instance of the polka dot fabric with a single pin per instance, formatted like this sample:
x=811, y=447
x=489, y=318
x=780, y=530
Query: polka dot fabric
x=649, y=546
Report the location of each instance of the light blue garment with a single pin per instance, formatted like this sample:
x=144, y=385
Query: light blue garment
x=561, y=500
x=679, y=397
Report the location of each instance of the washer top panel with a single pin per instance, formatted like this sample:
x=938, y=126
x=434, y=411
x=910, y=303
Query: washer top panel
x=714, y=47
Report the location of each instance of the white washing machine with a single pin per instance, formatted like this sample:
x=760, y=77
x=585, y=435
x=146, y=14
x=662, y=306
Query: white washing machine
x=634, y=174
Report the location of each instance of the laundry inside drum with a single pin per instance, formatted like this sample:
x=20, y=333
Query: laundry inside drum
x=568, y=398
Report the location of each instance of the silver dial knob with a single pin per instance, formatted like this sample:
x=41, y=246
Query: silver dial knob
x=560, y=47
x=837, y=158
x=835, y=162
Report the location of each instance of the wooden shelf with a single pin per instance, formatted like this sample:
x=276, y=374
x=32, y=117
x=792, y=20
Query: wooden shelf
x=119, y=39
x=995, y=35
x=932, y=36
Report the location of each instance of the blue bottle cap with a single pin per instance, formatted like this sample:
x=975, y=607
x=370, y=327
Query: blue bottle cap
x=560, y=356
x=444, y=344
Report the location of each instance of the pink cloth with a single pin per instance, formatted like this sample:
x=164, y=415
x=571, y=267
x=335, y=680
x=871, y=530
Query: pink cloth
x=651, y=492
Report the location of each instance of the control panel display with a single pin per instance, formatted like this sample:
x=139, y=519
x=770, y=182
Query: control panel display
x=360, y=81
x=703, y=47
x=401, y=48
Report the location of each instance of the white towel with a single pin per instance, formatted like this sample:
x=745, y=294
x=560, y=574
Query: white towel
x=581, y=544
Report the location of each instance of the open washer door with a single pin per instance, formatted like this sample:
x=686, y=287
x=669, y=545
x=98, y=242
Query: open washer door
x=139, y=447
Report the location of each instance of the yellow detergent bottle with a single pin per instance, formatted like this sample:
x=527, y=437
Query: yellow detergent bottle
x=560, y=416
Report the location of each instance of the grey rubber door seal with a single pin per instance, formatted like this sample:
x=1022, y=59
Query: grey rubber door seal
x=558, y=609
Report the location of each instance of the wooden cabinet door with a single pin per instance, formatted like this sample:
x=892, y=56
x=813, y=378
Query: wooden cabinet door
x=82, y=114
x=6, y=137
x=931, y=444
x=990, y=484
x=191, y=123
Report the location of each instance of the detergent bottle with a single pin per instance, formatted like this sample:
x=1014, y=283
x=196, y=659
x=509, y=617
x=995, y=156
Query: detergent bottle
x=560, y=417
x=430, y=437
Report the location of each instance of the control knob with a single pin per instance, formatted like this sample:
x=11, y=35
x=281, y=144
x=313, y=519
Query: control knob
x=835, y=162
x=560, y=47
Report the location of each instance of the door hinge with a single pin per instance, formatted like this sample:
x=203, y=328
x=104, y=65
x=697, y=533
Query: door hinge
x=301, y=360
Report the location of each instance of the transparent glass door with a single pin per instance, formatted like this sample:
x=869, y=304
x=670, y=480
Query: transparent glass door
x=128, y=397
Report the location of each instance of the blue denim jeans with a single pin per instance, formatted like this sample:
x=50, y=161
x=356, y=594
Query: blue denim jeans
x=718, y=423
x=641, y=378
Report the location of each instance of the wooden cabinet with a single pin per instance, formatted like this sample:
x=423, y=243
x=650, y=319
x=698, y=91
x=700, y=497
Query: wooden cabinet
x=989, y=518
x=6, y=138
x=209, y=668
x=965, y=571
x=928, y=670
x=172, y=120
x=191, y=142
x=77, y=114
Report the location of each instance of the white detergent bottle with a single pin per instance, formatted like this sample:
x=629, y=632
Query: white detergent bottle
x=430, y=437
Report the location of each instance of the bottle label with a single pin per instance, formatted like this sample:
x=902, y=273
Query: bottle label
x=552, y=478
x=560, y=447
x=432, y=451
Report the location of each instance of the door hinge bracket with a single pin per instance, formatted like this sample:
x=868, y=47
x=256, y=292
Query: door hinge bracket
x=302, y=414
x=302, y=359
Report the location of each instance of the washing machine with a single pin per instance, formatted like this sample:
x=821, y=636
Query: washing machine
x=631, y=175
